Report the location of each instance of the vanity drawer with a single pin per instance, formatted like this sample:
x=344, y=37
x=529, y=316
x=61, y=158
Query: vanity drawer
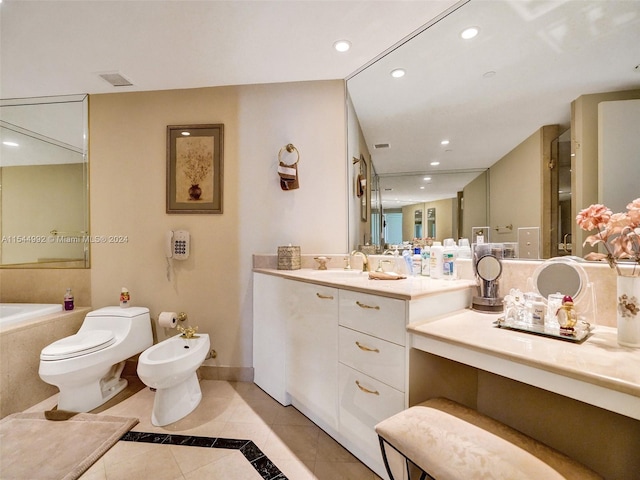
x=364, y=402
x=377, y=358
x=381, y=317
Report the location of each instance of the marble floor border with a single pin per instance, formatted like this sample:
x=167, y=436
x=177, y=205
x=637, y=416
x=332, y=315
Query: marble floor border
x=265, y=467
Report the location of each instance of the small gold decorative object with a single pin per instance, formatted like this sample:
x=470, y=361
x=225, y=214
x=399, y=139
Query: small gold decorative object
x=188, y=332
x=567, y=316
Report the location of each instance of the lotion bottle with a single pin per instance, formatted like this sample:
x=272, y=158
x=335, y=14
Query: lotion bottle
x=426, y=260
x=449, y=259
x=435, y=264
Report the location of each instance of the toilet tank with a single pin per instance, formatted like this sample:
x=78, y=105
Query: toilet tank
x=131, y=321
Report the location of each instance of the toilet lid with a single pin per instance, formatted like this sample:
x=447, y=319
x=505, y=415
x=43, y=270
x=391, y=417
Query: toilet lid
x=79, y=344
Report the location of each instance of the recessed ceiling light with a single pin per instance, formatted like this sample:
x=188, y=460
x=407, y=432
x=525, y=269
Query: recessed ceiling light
x=398, y=72
x=422, y=187
x=434, y=164
x=426, y=179
x=342, y=45
x=10, y=144
x=444, y=142
x=186, y=134
x=469, y=33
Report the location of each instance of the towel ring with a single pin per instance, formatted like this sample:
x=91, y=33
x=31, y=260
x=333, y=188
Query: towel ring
x=289, y=148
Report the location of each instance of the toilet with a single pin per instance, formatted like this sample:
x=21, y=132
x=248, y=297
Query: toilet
x=170, y=367
x=86, y=367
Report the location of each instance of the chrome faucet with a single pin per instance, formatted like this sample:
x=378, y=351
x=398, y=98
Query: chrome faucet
x=365, y=260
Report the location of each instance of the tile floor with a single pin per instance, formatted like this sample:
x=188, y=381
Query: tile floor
x=233, y=410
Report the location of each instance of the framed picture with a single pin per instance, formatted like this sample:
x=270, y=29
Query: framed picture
x=194, y=168
x=361, y=189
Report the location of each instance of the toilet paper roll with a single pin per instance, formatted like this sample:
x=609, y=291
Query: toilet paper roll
x=168, y=319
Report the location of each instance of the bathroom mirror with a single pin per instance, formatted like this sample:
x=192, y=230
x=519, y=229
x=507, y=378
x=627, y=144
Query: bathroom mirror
x=486, y=97
x=44, y=201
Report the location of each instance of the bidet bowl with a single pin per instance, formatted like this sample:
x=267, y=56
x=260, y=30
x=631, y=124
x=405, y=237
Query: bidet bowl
x=173, y=360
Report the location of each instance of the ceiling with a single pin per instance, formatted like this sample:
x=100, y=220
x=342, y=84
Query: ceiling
x=61, y=47
x=543, y=55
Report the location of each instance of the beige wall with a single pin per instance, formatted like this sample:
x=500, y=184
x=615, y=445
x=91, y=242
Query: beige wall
x=514, y=178
x=38, y=199
x=474, y=211
x=128, y=161
x=445, y=215
x=359, y=231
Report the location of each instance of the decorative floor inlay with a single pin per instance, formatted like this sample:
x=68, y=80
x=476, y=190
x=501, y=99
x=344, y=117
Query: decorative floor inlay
x=251, y=452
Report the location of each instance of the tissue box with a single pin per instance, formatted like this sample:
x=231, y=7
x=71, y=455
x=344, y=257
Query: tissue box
x=289, y=258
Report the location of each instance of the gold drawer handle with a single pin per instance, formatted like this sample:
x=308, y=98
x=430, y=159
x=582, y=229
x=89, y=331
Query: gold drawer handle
x=324, y=297
x=366, y=349
x=366, y=390
x=363, y=305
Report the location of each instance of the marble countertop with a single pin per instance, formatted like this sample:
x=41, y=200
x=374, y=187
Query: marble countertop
x=410, y=288
x=599, y=360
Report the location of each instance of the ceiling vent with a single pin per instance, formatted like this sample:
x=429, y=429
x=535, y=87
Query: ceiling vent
x=115, y=79
x=381, y=145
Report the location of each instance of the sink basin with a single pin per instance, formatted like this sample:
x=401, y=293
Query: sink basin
x=335, y=273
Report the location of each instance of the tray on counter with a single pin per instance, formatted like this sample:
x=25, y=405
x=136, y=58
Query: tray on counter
x=581, y=332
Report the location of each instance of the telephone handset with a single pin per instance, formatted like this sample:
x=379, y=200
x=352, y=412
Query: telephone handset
x=177, y=244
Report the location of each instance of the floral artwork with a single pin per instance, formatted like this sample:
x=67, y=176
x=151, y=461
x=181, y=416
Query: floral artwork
x=195, y=160
x=618, y=233
x=194, y=169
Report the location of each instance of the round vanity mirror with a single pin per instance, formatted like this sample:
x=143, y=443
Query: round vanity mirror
x=564, y=276
x=489, y=268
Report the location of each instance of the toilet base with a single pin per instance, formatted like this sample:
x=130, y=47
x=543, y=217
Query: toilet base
x=173, y=403
x=87, y=397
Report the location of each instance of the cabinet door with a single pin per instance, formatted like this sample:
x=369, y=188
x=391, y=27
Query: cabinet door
x=271, y=307
x=312, y=353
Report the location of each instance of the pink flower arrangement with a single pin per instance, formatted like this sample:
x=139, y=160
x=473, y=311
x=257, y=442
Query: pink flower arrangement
x=619, y=233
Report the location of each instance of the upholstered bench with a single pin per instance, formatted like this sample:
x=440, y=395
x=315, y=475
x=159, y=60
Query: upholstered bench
x=449, y=441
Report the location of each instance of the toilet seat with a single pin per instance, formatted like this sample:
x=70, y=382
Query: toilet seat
x=79, y=344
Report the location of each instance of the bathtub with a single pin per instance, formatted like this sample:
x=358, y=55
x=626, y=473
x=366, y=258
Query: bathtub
x=16, y=313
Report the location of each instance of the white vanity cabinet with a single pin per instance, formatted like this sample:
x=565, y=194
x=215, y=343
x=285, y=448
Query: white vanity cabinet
x=312, y=353
x=271, y=308
x=372, y=337
x=338, y=354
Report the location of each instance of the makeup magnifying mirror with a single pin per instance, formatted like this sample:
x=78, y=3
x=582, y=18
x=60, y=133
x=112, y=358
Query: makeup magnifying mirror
x=566, y=276
x=488, y=269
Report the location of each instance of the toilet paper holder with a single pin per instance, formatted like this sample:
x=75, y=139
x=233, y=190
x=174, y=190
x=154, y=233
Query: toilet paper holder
x=182, y=317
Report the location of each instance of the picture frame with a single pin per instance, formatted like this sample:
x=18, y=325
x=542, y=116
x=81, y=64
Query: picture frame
x=195, y=161
x=363, y=189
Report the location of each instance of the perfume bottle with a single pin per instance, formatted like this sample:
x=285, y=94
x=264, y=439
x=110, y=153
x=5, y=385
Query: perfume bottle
x=567, y=316
x=68, y=300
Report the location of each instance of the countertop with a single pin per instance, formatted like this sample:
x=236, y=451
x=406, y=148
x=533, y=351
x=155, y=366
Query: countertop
x=410, y=288
x=597, y=371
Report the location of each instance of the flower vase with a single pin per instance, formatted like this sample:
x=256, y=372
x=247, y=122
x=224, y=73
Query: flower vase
x=628, y=310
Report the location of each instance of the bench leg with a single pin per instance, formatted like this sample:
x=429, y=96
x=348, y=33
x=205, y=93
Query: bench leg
x=423, y=475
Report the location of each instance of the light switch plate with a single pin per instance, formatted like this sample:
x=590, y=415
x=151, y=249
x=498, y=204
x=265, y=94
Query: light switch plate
x=529, y=242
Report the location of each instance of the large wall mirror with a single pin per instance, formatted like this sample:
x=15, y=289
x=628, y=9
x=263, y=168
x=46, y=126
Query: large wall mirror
x=468, y=127
x=44, y=178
